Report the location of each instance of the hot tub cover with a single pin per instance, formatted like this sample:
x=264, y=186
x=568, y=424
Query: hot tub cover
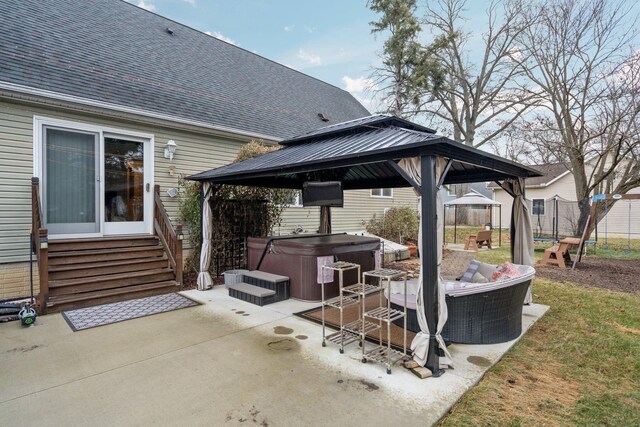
x=318, y=245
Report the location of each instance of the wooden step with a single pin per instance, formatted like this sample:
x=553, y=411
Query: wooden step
x=101, y=243
x=90, y=269
x=109, y=281
x=88, y=299
x=112, y=254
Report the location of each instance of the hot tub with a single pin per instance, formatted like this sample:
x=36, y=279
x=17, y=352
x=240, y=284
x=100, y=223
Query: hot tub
x=297, y=258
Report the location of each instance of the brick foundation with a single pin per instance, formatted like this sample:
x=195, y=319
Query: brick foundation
x=14, y=280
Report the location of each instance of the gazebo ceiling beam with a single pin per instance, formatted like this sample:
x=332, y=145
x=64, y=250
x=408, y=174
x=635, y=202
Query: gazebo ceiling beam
x=455, y=177
x=445, y=172
x=404, y=175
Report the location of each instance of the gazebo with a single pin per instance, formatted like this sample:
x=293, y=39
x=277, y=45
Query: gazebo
x=475, y=199
x=384, y=151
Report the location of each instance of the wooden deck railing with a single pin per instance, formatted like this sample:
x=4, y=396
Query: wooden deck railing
x=40, y=239
x=171, y=238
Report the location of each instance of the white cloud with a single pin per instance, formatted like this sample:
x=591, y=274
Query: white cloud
x=147, y=5
x=363, y=89
x=309, y=58
x=191, y=2
x=358, y=85
x=310, y=29
x=289, y=28
x=208, y=33
x=219, y=36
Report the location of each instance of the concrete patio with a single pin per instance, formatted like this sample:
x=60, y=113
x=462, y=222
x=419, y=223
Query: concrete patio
x=224, y=362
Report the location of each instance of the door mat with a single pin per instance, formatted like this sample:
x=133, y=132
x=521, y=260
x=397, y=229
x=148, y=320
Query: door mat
x=91, y=317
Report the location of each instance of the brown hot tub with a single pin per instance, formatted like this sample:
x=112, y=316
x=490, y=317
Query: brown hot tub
x=297, y=258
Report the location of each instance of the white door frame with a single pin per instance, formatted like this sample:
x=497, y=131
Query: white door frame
x=39, y=122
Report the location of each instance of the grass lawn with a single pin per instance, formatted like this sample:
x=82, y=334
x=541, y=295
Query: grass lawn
x=607, y=247
x=579, y=365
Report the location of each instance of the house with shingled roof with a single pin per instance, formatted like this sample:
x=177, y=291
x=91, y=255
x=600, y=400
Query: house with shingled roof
x=103, y=106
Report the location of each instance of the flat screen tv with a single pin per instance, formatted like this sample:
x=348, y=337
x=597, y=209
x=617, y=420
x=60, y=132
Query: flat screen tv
x=327, y=193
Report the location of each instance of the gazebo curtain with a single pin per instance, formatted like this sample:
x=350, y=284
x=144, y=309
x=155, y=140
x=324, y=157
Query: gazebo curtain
x=204, y=278
x=420, y=343
x=521, y=231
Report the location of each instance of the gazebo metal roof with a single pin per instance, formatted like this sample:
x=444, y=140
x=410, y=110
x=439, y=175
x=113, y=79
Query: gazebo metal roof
x=362, y=154
x=473, y=199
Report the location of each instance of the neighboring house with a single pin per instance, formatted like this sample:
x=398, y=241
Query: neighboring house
x=92, y=92
x=559, y=181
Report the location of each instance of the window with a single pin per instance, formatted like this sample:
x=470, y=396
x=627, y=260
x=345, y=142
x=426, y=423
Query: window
x=537, y=207
x=295, y=200
x=452, y=189
x=382, y=192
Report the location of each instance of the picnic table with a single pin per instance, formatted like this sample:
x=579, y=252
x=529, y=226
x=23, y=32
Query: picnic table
x=559, y=254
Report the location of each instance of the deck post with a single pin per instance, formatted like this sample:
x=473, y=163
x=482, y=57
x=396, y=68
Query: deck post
x=43, y=268
x=179, y=266
x=429, y=257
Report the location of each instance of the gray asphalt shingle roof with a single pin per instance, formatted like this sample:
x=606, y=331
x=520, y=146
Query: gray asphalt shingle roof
x=112, y=51
x=550, y=172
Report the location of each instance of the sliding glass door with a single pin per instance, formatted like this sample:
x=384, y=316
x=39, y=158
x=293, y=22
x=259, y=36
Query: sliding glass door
x=94, y=182
x=126, y=193
x=71, y=171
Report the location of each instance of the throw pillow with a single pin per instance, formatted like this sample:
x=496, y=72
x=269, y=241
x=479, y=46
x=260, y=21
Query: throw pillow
x=479, y=278
x=471, y=270
x=510, y=270
x=486, y=270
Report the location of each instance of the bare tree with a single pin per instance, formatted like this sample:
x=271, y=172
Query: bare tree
x=479, y=99
x=580, y=56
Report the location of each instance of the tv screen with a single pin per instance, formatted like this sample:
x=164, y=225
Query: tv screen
x=327, y=193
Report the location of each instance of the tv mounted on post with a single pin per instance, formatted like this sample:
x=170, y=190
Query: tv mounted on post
x=327, y=193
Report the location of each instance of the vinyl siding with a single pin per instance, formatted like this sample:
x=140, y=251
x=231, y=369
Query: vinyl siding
x=359, y=207
x=196, y=152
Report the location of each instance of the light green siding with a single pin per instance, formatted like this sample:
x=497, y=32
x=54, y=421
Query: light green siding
x=359, y=207
x=196, y=152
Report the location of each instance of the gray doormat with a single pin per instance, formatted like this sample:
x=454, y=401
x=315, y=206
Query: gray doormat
x=99, y=315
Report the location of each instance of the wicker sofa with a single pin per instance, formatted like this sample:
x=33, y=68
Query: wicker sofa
x=478, y=314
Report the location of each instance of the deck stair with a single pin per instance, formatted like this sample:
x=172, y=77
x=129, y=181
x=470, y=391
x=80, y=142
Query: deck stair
x=260, y=288
x=86, y=272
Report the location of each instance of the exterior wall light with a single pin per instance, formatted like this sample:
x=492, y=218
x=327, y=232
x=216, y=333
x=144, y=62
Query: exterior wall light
x=170, y=150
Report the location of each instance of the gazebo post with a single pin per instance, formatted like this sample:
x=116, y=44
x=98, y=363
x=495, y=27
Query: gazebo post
x=429, y=257
x=455, y=224
x=500, y=226
x=325, y=220
x=491, y=217
x=444, y=225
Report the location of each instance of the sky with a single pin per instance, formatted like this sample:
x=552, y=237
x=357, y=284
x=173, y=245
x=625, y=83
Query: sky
x=330, y=40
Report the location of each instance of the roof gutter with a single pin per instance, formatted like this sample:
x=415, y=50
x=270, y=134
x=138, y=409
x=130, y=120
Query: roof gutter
x=10, y=89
